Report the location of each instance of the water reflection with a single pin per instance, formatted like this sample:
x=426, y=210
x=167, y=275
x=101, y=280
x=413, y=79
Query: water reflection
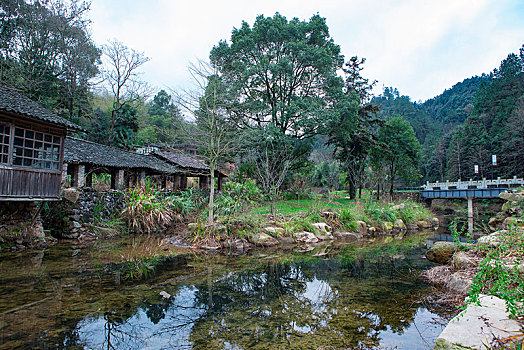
x=280, y=306
x=358, y=296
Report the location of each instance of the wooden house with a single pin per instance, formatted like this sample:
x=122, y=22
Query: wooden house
x=31, y=149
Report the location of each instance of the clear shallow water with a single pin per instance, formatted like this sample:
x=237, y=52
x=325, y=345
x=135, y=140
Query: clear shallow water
x=358, y=296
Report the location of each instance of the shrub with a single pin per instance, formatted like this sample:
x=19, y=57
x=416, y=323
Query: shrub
x=145, y=210
x=235, y=197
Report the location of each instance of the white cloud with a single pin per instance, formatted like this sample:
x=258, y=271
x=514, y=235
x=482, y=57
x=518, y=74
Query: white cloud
x=421, y=47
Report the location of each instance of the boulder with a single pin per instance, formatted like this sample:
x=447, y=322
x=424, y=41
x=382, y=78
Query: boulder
x=423, y=224
x=387, y=226
x=372, y=230
x=511, y=196
x=435, y=222
x=494, y=222
x=398, y=206
x=492, y=240
x=399, y=224
x=462, y=261
x=306, y=237
x=479, y=326
x=323, y=236
x=70, y=194
x=322, y=227
x=510, y=207
x=348, y=236
x=458, y=283
x=275, y=230
x=513, y=221
x=361, y=227
x=441, y=252
x=263, y=239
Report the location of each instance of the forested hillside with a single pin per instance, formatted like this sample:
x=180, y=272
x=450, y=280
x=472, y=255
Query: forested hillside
x=467, y=123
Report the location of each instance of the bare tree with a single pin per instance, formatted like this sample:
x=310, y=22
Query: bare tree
x=211, y=129
x=123, y=77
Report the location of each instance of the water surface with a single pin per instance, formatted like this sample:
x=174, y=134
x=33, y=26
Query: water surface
x=358, y=296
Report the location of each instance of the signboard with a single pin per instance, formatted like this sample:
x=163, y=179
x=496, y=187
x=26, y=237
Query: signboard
x=476, y=169
x=494, y=160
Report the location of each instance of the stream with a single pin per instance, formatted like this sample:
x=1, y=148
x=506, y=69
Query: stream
x=362, y=295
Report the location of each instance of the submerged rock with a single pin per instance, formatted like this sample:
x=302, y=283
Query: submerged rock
x=478, y=327
x=441, y=252
x=423, y=224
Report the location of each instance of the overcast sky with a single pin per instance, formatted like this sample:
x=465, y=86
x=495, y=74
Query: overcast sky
x=420, y=47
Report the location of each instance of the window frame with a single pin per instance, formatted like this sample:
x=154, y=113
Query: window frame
x=35, y=128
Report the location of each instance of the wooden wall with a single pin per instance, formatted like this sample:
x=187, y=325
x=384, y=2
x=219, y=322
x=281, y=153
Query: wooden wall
x=27, y=183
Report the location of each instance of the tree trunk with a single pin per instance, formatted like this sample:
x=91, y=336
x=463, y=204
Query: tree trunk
x=360, y=192
x=211, y=192
x=352, y=190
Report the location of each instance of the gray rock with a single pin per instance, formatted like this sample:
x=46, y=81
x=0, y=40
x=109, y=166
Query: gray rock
x=423, y=224
x=511, y=196
x=462, y=261
x=441, y=252
x=458, y=283
x=306, y=237
x=362, y=228
x=263, y=239
x=399, y=224
x=70, y=194
x=478, y=327
x=76, y=224
x=492, y=240
x=349, y=236
x=274, y=230
x=322, y=227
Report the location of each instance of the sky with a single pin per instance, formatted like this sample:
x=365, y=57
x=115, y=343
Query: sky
x=420, y=47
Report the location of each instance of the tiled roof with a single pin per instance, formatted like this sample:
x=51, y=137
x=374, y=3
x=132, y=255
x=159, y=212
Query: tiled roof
x=182, y=160
x=87, y=152
x=14, y=102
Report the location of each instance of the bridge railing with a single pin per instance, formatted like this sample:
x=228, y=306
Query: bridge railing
x=484, y=183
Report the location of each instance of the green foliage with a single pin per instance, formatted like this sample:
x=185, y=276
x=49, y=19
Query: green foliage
x=145, y=210
x=499, y=275
x=400, y=150
x=235, y=197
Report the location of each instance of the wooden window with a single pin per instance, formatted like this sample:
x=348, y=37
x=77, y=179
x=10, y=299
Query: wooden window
x=5, y=136
x=36, y=149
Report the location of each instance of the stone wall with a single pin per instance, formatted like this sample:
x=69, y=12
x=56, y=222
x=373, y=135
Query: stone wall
x=74, y=216
x=20, y=225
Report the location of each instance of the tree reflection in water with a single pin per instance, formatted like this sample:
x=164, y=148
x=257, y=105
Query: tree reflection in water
x=306, y=305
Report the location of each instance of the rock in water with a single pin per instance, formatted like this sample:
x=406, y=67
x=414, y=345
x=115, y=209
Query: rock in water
x=478, y=327
x=263, y=239
x=441, y=252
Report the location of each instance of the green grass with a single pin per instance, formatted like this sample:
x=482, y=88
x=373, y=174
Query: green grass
x=292, y=207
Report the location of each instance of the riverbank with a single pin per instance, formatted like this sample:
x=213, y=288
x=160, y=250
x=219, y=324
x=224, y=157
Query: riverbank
x=308, y=222
x=488, y=277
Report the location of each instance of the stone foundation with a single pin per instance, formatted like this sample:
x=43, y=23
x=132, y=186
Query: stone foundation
x=20, y=225
x=74, y=215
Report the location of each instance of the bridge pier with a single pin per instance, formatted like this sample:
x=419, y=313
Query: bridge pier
x=470, y=215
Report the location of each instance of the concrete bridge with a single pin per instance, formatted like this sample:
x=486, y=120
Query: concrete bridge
x=469, y=190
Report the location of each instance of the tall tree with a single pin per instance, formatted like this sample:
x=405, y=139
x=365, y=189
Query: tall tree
x=212, y=131
x=282, y=73
x=401, y=153
x=122, y=77
x=46, y=52
x=353, y=126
